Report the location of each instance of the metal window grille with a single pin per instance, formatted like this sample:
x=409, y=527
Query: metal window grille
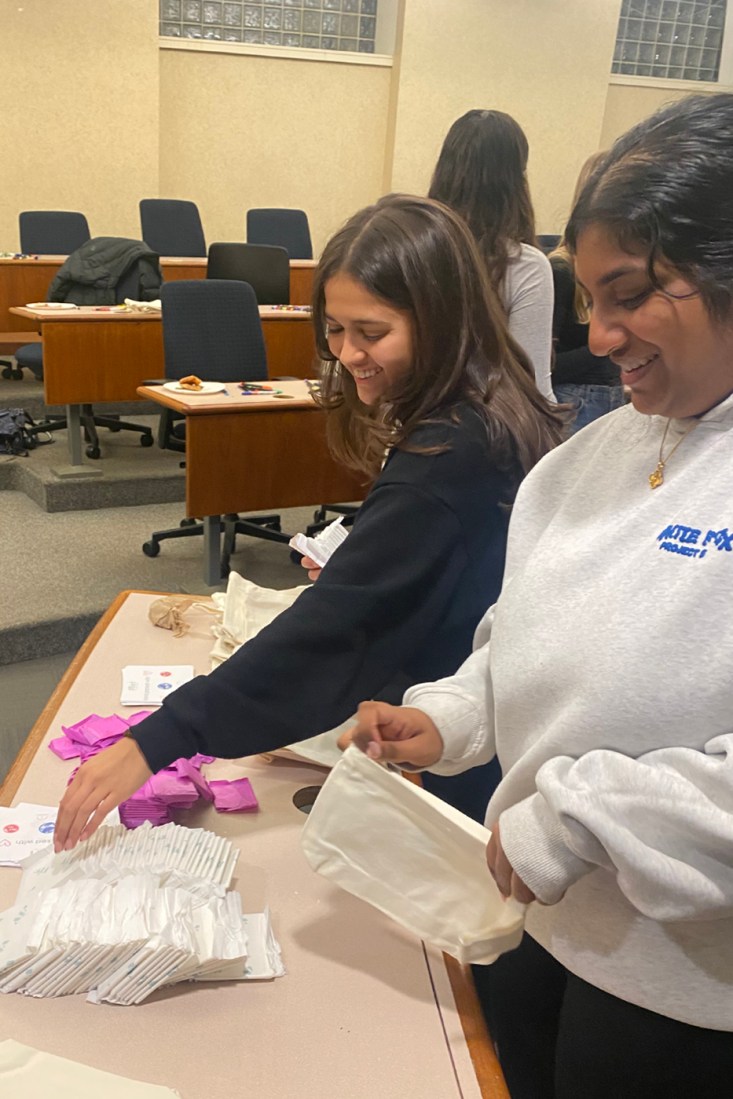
x=311, y=24
x=677, y=39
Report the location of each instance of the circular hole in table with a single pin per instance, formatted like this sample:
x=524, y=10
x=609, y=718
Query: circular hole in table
x=304, y=799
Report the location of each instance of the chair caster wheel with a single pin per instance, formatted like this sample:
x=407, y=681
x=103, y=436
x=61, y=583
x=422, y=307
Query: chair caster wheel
x=114, y=428
x=187, y=523
x=93, y=452
x=146, y=440
x=151, y=549
x=13, y=372
x=319, y=515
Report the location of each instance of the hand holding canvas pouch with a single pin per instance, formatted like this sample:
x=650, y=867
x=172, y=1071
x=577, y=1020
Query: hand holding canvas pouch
x=413, y=857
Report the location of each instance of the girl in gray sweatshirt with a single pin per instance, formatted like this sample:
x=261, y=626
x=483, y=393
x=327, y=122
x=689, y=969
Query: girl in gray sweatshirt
x=603, y=676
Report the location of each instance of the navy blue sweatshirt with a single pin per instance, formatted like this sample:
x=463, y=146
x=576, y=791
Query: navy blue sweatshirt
x=397, y=604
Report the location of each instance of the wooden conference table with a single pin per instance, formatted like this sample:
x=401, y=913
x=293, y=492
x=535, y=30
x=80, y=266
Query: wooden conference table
x=363, y=1010
x=28, y=279
x=97, y=354
x=254, y=453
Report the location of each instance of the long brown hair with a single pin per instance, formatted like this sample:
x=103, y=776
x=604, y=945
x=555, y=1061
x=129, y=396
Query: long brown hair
x=419, y=257
x=481, y=174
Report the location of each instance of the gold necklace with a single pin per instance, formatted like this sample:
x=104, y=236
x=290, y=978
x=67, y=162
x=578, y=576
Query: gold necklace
x=657, y=477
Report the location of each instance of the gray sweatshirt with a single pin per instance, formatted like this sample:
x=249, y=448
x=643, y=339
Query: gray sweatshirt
x=603, y=679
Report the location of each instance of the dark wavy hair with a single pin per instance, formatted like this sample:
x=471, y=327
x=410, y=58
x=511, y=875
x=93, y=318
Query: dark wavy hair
x=481, y=174
x=419, y=257
x=665, y=188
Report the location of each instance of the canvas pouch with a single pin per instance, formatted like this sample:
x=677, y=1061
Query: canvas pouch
x=412, y=856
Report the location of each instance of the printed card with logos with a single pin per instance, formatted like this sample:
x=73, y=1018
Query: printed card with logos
x=26, y=829
x=149, y=684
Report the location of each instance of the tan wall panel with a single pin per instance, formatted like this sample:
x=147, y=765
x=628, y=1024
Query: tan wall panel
x=79, y=119
x=238, y=131
x=545, y=62
x=627, y=104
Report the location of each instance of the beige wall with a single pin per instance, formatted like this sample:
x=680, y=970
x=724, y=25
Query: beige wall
x=627, y=104
x=239, y=131
x=79, y=118
x=96, y=116
x=545, y=62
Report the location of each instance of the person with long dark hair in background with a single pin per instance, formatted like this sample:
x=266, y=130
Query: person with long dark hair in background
x=481, y=173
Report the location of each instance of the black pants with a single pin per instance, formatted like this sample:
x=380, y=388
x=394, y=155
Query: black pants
x=558, y=1037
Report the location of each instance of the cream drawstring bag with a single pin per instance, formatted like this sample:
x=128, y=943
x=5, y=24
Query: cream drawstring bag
x=246, y=609
x=412, y=856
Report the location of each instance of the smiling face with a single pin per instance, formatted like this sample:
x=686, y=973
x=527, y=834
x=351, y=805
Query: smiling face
x=371, y=340
x=676, y=360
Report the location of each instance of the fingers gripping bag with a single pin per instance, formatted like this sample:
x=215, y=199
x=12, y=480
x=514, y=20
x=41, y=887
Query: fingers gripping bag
x=412, y=856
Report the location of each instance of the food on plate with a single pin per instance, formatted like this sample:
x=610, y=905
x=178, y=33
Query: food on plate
x=191, y=382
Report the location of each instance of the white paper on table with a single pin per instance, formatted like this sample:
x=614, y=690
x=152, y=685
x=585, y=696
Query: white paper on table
x=27, y=1073
x=264, y=957
x=323, y=545
x=26, y=829
x=126, y=913
x=148, y=684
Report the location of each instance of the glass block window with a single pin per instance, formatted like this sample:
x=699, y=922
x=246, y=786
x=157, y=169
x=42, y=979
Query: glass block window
x=313, y=24
x=678, y=39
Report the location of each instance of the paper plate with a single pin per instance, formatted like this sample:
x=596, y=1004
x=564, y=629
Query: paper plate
x=51, y=305
x=207, y=388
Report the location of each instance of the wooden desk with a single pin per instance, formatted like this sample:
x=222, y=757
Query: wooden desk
x=91, y=355
x=252, y=454
x=24, y=280
x=363, y=1010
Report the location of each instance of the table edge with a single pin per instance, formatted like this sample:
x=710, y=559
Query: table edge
x=480, y=1047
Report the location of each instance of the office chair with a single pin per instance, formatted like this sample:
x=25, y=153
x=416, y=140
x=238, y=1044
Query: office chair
x=286, y=228
x=266, y=269
x=548, y=241
x=52, y=232
x=31, y=356
x=172, y=227
x=47, y=233
x=211, y=328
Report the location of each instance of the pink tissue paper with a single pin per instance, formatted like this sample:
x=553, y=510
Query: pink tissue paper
x=178, y=786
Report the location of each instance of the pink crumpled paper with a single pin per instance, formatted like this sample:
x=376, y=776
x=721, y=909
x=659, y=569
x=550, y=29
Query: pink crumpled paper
x=178, y=786
x=233, y=797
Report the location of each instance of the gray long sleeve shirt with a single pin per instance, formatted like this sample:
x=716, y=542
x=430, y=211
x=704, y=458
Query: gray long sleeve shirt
x=603, y=678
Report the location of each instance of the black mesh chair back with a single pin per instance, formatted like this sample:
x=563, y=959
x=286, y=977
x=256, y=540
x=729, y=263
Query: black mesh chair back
x=212, y=328
x=266, y=269
x=548, y=241
x=172, y=227
x=52, y=232
x=285, y=228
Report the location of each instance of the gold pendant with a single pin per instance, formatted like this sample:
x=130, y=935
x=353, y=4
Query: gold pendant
x=657, y=477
